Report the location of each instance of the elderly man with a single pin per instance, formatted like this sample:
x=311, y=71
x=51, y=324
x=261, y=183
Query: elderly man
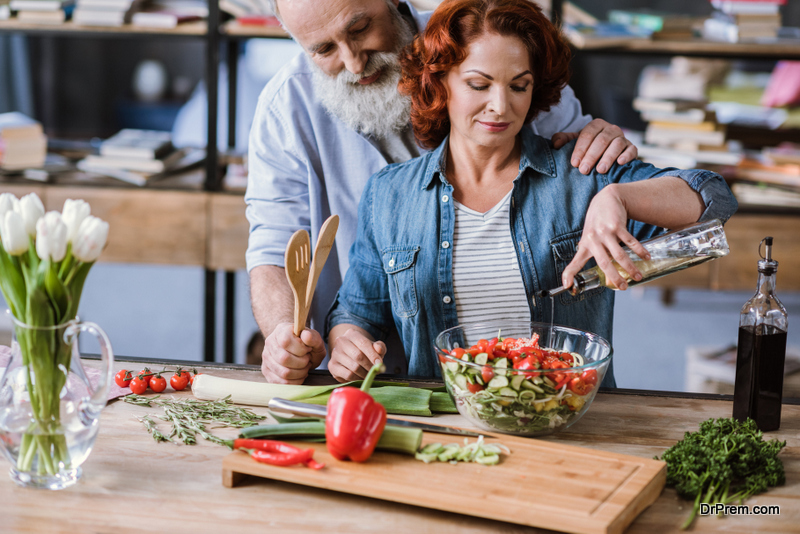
x=324, y=124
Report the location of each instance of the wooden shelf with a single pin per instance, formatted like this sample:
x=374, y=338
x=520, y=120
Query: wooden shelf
x=235, y=29
x=190, y=29
x=782, y=49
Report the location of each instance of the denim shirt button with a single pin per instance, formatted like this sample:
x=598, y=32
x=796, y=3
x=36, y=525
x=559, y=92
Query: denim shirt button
x=446, y=299
x=446, y=244
x=445, y=198
x=391, y=262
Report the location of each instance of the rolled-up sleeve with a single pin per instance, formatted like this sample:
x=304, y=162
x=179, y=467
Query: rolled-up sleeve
x=364, y=300
x=717, y=196
x=277, y=193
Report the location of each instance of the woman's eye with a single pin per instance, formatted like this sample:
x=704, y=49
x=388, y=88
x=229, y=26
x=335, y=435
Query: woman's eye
x=477, y=87
x=519, y=88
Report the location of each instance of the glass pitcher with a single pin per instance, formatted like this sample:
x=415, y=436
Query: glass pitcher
x=49, y=408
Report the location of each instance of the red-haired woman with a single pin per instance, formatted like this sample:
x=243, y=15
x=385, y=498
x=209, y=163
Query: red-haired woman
x=475, y=228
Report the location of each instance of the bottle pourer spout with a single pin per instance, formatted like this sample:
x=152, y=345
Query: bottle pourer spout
x=768, y=248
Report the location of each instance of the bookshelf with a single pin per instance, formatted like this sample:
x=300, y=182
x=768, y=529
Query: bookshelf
x=186, y=220
x=749, y=225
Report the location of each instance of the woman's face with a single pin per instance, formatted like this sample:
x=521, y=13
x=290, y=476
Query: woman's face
x=489, y=94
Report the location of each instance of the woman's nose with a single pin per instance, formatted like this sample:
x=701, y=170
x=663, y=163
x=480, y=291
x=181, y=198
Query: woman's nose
x=498, y=101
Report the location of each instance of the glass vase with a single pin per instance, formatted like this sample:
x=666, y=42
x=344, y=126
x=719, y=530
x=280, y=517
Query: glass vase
x=49, y=409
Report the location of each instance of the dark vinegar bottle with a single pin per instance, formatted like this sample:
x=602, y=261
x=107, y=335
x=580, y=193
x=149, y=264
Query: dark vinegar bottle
x=761, y=352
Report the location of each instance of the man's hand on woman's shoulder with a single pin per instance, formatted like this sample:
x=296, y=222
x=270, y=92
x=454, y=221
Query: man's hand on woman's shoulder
x=599, y=145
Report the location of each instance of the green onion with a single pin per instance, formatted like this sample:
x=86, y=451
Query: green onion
x=393, y=439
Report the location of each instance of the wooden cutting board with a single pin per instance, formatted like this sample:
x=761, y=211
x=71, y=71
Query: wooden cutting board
x=540, y=484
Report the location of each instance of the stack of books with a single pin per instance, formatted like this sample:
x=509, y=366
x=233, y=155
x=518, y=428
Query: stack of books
x=43, y=11
x=140, y=156
x=736, y=21
x=662, y=25
x=106, y=12
x=23, y=145
x=769, y=178
x=683, y=134
x=170, y=13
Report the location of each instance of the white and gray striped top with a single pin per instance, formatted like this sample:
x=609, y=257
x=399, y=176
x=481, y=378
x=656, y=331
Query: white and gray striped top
x=487, y=281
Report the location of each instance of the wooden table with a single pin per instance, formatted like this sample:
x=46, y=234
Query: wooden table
x=133, y=484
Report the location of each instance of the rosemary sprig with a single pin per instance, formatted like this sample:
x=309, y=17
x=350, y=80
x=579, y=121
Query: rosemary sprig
x=190, y=417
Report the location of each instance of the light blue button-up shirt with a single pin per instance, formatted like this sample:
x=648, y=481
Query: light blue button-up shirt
x=305, y=165
x=401, y=276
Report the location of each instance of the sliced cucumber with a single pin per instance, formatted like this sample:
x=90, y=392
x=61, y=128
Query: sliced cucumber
x=461, y=382
x=527, y=384
x=467, y=357
x=482, y=358
x=501, y=363
x=497, y=382
x=517, y=381
x=452, y=366
x=507, y=392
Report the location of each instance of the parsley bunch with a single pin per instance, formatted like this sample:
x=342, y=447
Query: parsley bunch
x=725, y=461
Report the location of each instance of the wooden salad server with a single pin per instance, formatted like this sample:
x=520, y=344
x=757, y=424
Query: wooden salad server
x=298, y=265
x=301, y=272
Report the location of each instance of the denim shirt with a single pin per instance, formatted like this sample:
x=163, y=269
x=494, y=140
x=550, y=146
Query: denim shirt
x=401, y=261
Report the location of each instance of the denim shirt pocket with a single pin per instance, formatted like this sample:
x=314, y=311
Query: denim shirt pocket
x=564, y=248
x=398, y=264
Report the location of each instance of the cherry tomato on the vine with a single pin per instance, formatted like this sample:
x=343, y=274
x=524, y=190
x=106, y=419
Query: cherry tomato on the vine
x=145, y=374
x=178, y=382
x=123, y=378
x=138, y=385
x=158, y=383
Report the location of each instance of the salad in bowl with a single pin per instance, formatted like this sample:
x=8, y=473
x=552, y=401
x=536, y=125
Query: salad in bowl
x=522, y=378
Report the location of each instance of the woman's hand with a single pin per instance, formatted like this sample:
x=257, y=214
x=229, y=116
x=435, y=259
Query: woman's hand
x=603, y=230
x=599, y=144
x=353, y=353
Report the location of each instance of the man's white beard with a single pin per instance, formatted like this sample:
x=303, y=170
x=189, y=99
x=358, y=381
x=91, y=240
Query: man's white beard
x=375, y=109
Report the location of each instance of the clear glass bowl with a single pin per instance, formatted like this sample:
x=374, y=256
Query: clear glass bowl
x=522, y=401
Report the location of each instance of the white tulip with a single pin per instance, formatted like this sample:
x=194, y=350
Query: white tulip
x=8, y=202
x=73, y=214
x=12, y=231
x=51, y=237
x=90, y=239
x=31, y=209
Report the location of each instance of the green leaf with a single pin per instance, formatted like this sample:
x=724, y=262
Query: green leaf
x=12, y=284
x=59, y=296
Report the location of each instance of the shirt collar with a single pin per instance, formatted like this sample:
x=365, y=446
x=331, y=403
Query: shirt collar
x=537, y=155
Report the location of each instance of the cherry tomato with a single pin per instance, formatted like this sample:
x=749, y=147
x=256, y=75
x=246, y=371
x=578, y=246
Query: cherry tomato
x=590, y=377
x=191, y=380
x=158, y=383
x=145, y=374
x=566, y=356
x=483, y=344
x=457, y=352
x=123, y=378
x=578, y=386
x=528, y=363
x=178, y=382
x=487, y=373
x=138, y=385
x=474, y=388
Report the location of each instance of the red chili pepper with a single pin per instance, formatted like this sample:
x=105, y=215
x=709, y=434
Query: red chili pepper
x=277, y=452
x=355, y=422
x=282, y=458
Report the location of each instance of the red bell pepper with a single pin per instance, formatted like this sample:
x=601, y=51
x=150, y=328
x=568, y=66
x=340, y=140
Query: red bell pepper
x=277, y=452
x=354, y=422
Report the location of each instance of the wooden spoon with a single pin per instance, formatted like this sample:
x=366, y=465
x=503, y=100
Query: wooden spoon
x=327, y=233
x=297, y=261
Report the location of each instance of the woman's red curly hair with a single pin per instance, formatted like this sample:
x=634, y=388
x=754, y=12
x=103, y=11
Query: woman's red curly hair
x=443, y=45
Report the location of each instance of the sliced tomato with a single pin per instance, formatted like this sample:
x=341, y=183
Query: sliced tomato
x=457, y=352
x=487, y=373
x=474, y=388
x=578, y=386
x=566, y=356
x=590, y=377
